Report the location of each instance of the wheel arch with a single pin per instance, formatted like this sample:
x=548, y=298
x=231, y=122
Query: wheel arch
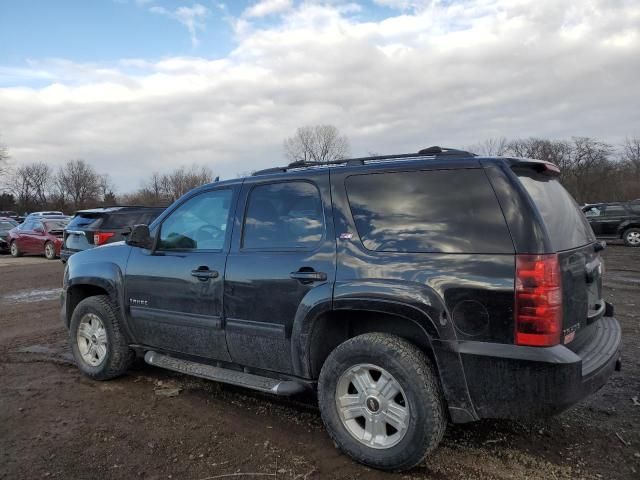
x=626, y=226
x=83, y=280
x=323, y=329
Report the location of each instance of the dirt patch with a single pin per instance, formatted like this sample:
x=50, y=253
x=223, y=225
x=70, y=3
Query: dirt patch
x=55, y=423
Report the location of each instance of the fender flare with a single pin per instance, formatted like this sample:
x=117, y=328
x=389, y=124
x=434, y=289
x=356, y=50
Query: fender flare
x=447, y=359
x=104, y=275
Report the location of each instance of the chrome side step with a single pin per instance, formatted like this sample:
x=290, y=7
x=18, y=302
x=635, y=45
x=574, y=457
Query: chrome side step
x=225, y=375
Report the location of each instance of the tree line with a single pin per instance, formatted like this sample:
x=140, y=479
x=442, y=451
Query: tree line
x=592, y=171
x=77, y=185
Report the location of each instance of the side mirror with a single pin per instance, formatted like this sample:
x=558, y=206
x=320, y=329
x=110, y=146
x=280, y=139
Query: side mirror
x=140, y=237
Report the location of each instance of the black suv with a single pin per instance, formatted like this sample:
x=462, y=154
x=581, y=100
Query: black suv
x=615, y=220
x=409, y=290
x=98, y=226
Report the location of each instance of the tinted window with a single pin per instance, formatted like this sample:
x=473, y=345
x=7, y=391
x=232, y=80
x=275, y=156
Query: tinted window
x=283, y=216
x=84, y=220
x=614, y=211
x=567, y=226
x=634, y=207
x=198, y=224
x=428, y=211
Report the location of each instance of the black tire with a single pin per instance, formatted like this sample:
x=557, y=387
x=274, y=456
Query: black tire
x=50, y=251
x=119, y=356
x=15, y=250
x=631, y=237
x=413, y=371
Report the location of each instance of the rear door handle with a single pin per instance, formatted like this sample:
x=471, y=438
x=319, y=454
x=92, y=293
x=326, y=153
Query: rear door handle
x=204, y=274
x=308, y=277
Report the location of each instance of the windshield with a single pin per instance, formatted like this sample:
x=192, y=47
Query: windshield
x=567, y=226
x=6, y=225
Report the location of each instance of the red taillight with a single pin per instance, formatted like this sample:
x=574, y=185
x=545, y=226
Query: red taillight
x=538, y=306
x=100, y=238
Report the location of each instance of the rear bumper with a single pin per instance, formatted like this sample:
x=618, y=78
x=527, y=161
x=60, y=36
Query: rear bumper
x=509, y=381
x=65, y=253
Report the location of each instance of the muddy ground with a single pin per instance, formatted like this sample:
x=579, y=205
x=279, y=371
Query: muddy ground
x=55, y=423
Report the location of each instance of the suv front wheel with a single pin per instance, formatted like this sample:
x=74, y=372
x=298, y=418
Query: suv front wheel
x=98, y=346
x=381, y=401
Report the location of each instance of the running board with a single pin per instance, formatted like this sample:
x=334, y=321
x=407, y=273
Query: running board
x=225, y=375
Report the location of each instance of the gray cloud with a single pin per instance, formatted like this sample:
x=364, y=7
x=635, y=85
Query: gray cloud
x=437, y=74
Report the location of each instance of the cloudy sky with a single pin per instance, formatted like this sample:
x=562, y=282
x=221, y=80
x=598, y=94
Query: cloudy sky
x=134, y=86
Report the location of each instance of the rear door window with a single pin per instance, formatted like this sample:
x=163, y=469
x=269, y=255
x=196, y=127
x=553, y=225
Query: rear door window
x=283, y=216
x=453, y=211
x=566, y=224
x=614, y=211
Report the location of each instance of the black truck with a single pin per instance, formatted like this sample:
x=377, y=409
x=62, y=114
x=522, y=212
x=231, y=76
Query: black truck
x=406, y=290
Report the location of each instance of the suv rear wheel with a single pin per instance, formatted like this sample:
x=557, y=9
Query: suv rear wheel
x=381, y=401
x=632, y=237
x=98, y=346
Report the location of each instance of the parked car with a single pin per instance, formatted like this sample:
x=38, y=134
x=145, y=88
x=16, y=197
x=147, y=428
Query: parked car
x=38, y=235
x=12, y=215
x=48, y=213
x=615, y=220
x=99, y=226
x=407, y=289
x=6, y=225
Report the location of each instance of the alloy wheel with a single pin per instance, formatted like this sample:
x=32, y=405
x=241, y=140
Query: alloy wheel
x=92, y=339
x=372, y=406
x=633, y=238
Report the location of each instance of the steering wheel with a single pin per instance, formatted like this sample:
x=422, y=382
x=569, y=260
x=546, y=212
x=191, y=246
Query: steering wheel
x=208, y=232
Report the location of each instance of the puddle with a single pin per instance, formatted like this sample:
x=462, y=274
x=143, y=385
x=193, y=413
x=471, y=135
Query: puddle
x=59, y=354
x=26, y=296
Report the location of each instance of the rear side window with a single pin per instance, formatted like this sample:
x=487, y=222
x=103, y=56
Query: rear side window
x=283, y=216
x=615, y=211
x=452, y=211
x=567, y=226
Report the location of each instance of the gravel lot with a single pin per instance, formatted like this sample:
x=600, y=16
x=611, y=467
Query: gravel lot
x=55, y=423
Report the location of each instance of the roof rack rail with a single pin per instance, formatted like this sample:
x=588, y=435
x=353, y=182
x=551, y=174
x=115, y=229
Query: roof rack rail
x=434, y=151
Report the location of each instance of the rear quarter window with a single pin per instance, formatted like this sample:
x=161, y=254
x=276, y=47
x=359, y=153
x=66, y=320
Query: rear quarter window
x=454, y=211
x=565, y=222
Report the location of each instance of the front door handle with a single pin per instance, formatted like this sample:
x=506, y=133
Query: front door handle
x=203, y=274
x=308, y=276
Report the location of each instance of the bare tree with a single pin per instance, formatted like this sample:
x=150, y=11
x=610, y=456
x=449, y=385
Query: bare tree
x=4, y=157
x=107, y=189
x=491, y=147
x=316, y=144
x=631, y=154
x=78, y=183
x=161, y=189
x=19, y=185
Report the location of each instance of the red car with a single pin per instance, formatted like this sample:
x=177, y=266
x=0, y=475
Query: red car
x=42, y=236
